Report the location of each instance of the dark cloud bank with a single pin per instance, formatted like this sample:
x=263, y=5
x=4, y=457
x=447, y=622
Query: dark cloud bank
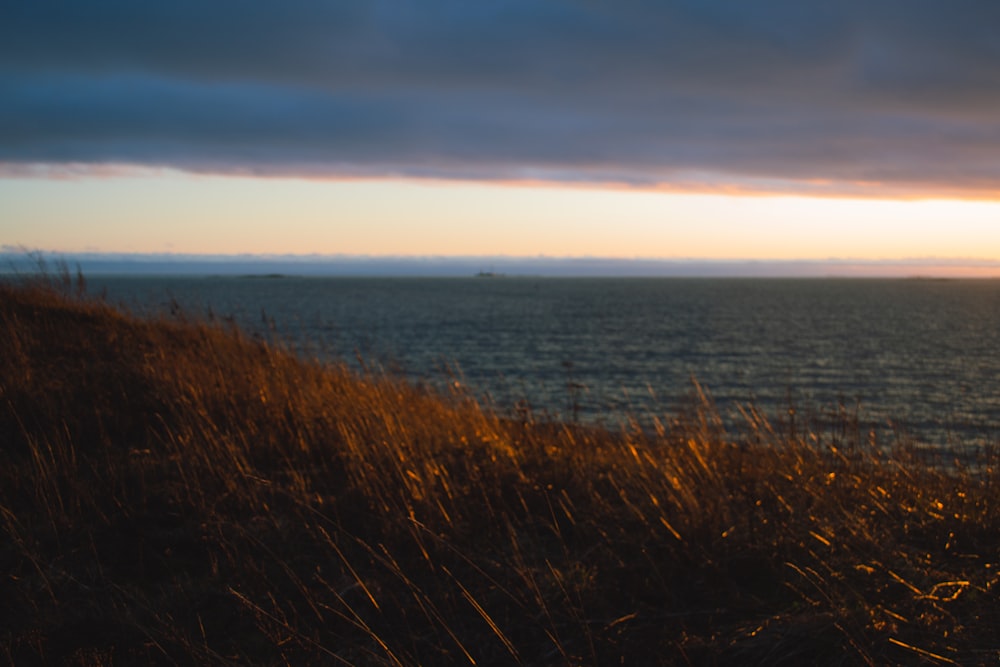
x=764, y=95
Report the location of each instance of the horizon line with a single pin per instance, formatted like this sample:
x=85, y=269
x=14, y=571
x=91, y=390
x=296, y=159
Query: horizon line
x=20, y=260
x=10, y=251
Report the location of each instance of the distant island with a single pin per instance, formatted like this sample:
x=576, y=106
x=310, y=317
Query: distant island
x=17, y=260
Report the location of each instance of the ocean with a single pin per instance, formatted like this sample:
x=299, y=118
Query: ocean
x=917, y=357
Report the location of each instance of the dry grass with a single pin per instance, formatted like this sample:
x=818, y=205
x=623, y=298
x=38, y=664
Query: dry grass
x=174, y=492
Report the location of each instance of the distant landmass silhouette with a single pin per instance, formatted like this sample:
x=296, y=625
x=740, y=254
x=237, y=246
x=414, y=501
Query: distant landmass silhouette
x=17, y=260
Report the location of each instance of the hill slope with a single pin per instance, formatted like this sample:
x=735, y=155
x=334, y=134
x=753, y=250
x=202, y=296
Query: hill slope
x=174, y=492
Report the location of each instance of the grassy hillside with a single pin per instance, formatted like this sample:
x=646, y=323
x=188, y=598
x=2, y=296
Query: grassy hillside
x=175, y=492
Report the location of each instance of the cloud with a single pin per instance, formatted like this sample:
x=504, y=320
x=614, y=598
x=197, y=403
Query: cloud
x=897, y=96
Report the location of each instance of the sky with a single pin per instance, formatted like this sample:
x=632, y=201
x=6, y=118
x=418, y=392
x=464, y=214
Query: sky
x=681, y=130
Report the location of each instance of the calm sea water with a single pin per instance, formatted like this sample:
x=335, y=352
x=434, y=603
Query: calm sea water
x=920, y=355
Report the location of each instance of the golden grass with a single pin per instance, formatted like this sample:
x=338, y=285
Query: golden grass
x=174, y=492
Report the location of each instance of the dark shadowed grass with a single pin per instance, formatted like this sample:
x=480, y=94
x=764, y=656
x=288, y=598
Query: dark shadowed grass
x=174, y=492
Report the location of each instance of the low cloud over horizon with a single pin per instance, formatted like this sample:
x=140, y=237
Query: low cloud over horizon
x=22, y=261
x=882, y=99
